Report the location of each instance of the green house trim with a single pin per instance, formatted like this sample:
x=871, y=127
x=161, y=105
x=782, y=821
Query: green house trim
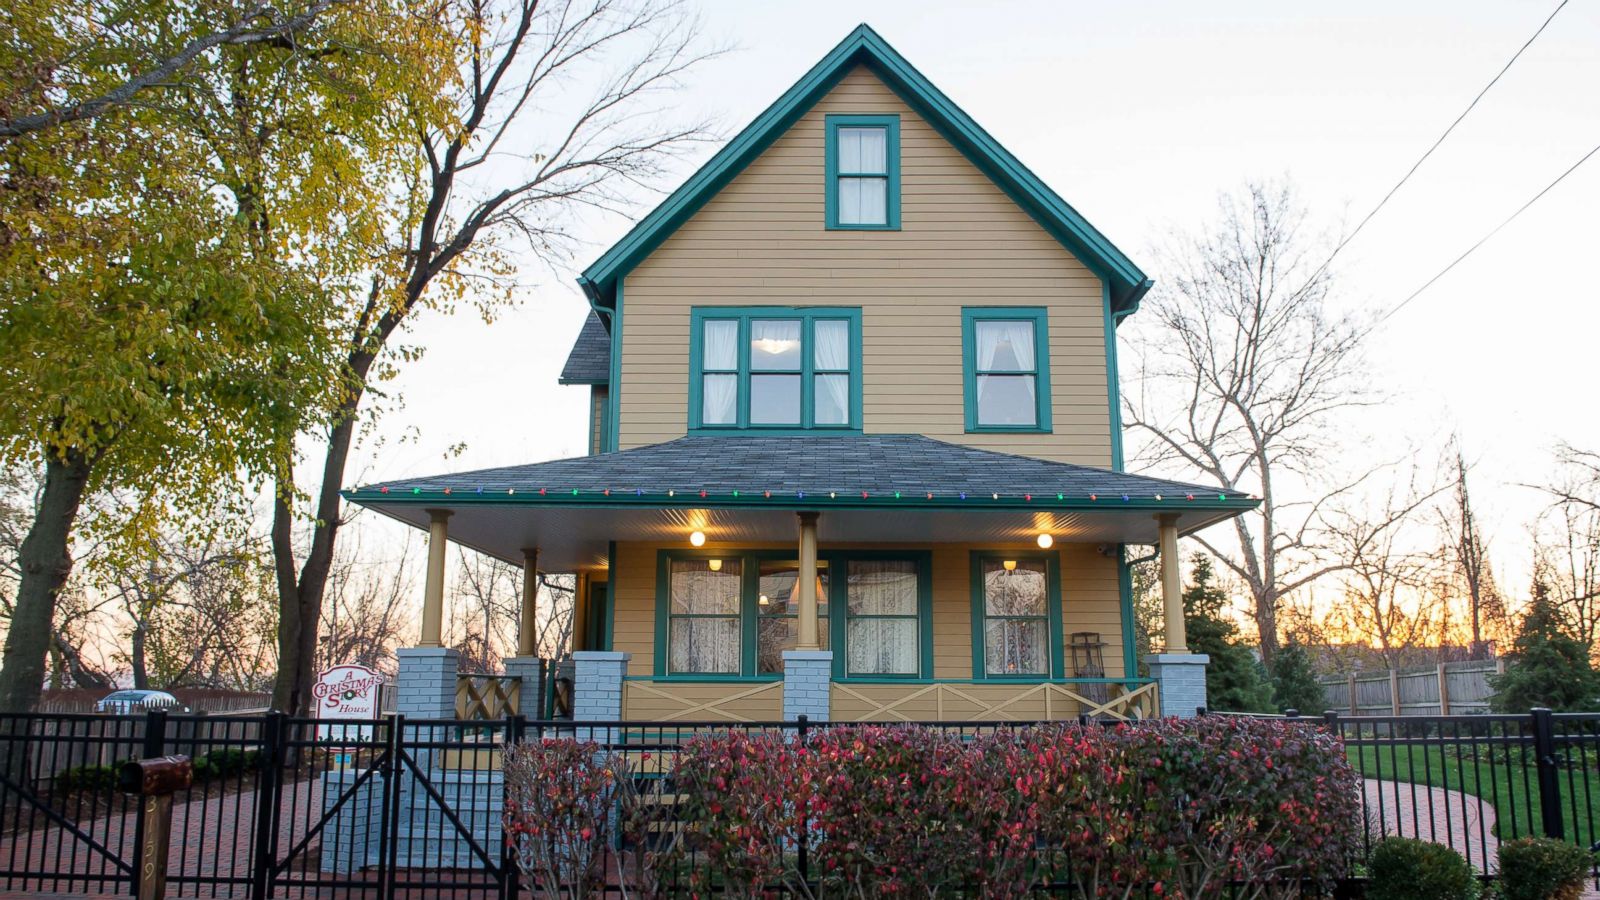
x=970, y=317
x=602, y=280
x=750, y=611
x=891, y=125
x=809, y=316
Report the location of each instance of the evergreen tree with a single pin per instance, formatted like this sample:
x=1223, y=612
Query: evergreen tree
x=1294, y=682
x=1235, y=680
x=1548, y=667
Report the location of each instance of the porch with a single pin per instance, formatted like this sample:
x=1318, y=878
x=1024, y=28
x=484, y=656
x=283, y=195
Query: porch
x=849, y=578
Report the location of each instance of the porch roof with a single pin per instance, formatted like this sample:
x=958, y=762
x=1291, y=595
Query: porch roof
x=890, y=488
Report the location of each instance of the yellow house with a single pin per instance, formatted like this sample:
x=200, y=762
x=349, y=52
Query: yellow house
x=856, y=451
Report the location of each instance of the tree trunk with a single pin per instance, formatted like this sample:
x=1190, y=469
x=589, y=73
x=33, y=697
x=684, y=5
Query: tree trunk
x=300, y=598
x=45, y=562
x=141, y=673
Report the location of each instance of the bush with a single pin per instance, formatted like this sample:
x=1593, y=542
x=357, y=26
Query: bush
x=559, y=816
x=1543, y=869
x=88, y=778
x=905, y=811
x=1409, y=869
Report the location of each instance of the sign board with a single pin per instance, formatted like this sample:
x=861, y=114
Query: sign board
x=347, y=692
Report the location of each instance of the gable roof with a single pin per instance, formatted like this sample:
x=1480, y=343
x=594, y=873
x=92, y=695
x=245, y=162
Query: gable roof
x=590, y=359
x=865, y=47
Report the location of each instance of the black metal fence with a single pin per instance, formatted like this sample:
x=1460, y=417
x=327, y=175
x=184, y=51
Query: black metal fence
x=298, y=808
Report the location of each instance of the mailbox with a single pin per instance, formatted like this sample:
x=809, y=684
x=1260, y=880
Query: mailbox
x=161, y=776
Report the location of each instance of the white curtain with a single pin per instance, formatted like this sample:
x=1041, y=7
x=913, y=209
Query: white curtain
x=863, y=201
x=705, y=632
x=887, y=643
x=832, y=354
x=720, y=350
x=863, y=151
x=1005, y=346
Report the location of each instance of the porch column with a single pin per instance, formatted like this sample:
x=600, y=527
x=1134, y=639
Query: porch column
x=1180, y=675
x=1172, y=584
x=433, y=590
x=807, y=669
x=806, y=581
x=526, y=631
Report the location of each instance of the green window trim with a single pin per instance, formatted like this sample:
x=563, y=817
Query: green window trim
x=891, y=175
x=1052, y=561
x=808, y=316
x=970, y=317
x=750, y=612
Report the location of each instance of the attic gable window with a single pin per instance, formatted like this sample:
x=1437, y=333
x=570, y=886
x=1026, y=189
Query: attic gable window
x=775, y=368
x=863, y=172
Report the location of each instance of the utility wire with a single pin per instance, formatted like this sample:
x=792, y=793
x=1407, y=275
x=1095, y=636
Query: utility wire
x=1483, y=240
x=1424, y=157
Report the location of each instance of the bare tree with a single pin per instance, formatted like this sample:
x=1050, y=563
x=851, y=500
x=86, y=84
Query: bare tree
x=485, y=619
x=1467, y=549
x=1242, y=374
x=522, y=162
x=370, y=606
x=103, y=26
x=1567, y=541
x=1396, y=586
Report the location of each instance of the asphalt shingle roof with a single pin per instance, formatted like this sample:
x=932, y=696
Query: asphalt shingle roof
x=878, y=464
x=590, y=359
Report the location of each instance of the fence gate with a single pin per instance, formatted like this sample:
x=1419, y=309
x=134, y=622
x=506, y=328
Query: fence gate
x=64, y=826
x=326, y=810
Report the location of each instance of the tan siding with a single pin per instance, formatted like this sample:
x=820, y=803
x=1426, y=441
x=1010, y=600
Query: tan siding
x=597, y=418
x=1090, y=602
x=761, y=241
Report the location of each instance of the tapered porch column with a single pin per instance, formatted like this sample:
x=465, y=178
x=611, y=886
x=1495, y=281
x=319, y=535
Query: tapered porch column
x=806, y=581
x=1180, y=675
x=1172, y=585
x=807, y=669
x=530, y=602
x=433, y=589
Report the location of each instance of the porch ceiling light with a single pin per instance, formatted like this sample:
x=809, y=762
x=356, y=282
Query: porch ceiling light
x=714, y=564
x=697, y=538
x=1009, y=564
x=1045, y=540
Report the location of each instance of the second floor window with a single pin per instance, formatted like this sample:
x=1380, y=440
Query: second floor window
x=1006, y=360
x=775, y=368
x=863, y=166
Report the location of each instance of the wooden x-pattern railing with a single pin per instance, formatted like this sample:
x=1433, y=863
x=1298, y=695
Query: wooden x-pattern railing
x=732, y=707
x=1058, y=701
x=482, y=697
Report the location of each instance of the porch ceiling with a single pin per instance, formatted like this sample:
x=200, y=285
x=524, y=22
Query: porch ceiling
x=571, y=538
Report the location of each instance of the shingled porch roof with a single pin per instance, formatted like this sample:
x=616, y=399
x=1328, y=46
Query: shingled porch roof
x=888, y=488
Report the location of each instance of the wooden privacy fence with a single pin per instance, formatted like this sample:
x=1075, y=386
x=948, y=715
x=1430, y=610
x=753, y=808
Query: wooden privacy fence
x=1458, y=688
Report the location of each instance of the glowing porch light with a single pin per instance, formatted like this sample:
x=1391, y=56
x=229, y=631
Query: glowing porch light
x=1045, y=540
x=697, y=538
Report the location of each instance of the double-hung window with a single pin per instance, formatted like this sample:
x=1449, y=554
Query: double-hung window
x=775, y=368
x=863, y=172
x=1016, y=608
x=1006, y=367
x=734, y=613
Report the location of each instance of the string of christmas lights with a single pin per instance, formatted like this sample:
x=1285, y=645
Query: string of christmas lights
x=704, y=494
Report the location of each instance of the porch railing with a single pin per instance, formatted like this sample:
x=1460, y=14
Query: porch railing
x=482, y=697
x=973, y=700
x=676, y=701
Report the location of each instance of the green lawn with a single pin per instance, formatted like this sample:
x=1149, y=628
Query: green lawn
x=1503, y=777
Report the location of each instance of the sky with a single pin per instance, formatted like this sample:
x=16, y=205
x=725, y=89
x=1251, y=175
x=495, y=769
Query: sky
x=1140, y=114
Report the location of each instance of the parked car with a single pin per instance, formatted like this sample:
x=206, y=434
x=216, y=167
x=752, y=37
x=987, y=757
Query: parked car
x=122, y=703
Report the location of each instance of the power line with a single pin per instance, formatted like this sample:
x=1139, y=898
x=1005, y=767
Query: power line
x=1483, y=240
x=1424, y=157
